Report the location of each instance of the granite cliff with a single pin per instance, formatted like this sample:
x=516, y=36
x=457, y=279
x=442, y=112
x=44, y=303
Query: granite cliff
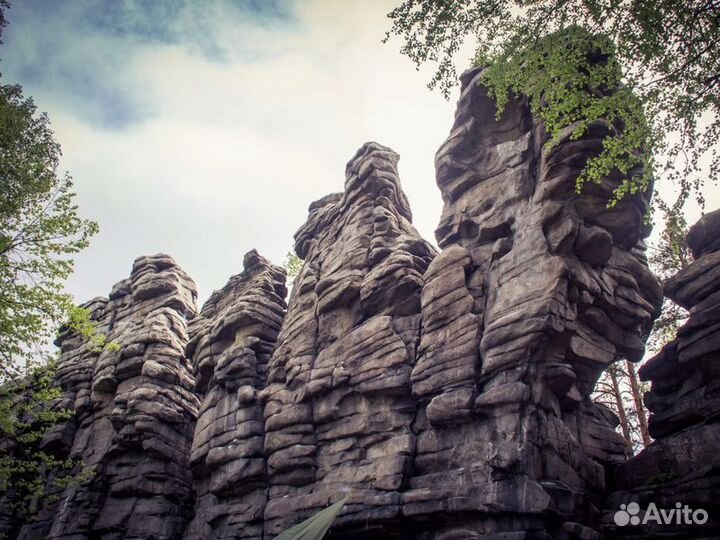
x=445, y=393
x=135, y=408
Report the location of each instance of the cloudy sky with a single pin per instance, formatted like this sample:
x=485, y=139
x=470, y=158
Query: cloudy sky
x=204, y=129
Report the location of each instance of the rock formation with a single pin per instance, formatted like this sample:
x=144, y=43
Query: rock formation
x=682, y=465
x=134, y=406
x=445, y=394
x=230, y=344
x=338, y=406
x=536, y=290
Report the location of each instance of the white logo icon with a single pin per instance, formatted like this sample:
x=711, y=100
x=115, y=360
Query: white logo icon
x=628, y=514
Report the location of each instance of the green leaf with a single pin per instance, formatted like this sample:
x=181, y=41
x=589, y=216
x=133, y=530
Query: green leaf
x=316, y=526
x=650, y=69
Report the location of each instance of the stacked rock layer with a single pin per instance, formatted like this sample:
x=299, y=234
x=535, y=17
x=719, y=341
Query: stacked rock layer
x=536, y=290
x=338, y=406
x=682, y=465
x=230, y=344
x=134, y=405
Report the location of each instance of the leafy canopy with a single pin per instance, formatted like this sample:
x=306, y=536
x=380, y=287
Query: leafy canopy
x=548, y=50
x=39, y=231
x=667, y=258
x=293, y=265
x=29, y=408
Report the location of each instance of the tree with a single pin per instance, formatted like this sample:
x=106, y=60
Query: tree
x=26, y=414
x=293, y=265
x=667, y=257
x=620, y=390
x=637, y=391
x=650, y=71
x=560, y=53
x=39, y=232
x=31, y=406
x=609, y=392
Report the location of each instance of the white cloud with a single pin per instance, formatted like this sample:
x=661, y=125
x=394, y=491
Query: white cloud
x=233, y=152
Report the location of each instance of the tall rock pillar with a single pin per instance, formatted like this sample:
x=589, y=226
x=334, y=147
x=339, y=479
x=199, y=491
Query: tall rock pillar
x=230, y=344
x=682, y=466
x=134, y=411
x=535, y=292
x=338, y=409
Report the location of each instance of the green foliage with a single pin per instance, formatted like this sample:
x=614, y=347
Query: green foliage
x=81, y=323
x=23, y=405
x=669, y=52
x=293, y=265
x=316, y=526
x=39, y=231
x=28, y=408
x=670, y=255
x=573, y=80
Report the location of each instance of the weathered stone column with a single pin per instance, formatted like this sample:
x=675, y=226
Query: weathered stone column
x=683, y=464
x=338, y=408
x=230, y=344
x=535, y=292
x=134, y=413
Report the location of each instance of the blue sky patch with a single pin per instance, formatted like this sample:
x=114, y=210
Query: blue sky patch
x=77, y=52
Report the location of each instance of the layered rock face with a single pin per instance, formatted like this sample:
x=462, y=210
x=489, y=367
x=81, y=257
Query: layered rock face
x=338, y=407
x=230, y=344
x=535, y=292
x=682, y=465
x=134, y=407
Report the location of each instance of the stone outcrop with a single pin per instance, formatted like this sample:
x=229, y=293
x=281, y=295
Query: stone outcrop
x=535, y=292
x=338, y=407
x=230, y=344
x=445, y=394
x=683, y=464
x=134, y=406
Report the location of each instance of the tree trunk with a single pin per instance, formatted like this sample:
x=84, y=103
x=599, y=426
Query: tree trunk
x=639, y=406
x=619, y=405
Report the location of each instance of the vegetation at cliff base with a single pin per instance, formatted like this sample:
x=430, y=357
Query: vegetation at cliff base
x=29, y=408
